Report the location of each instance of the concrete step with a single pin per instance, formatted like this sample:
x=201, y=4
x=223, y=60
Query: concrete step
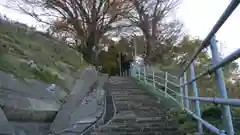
x=139, y=119
x=121, y=93
x=123, y=87
x=124, y=92
x=136, y=121
x=142, y=111
x=127, y=93
x=136, y=129
x=138, y=107
x=140, y=133
x=138, y=113
x=139, y=110
x=142, y=125
x=136, y=99
x=69, y=133
x=132, y=96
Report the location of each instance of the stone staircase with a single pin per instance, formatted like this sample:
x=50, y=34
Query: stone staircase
x=137, y=112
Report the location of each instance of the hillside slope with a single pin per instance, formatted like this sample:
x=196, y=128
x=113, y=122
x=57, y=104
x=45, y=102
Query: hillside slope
x=52, y=61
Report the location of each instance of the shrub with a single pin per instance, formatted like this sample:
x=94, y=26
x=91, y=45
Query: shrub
x=45, y=75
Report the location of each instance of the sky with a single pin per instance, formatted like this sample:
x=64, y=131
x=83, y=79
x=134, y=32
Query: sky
x=198, y=17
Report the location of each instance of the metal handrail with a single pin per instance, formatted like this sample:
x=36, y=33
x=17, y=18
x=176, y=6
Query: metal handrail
x=223, y=99
x=229, y=10
x=149, y=79
x=114, y=114
x=180, y=103
x=235, y=55
x=168, y=81
x=164, y=79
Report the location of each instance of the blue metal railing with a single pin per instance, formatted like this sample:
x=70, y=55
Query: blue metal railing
x=180, y=94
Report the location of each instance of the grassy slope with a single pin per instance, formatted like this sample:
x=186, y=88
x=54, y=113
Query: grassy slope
x=52, y=58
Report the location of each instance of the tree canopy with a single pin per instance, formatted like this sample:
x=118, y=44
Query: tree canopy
x=151, y=17
x=85, y=20
x=88, y=21
x=87, y=25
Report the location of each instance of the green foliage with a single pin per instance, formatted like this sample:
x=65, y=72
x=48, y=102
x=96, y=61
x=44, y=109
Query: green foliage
x=124, y=45
x=179, y=54
x=211, y=114
x=187, y=124
x=45, y=75
x=174, y=63
x=109, y=60
x=14, y=66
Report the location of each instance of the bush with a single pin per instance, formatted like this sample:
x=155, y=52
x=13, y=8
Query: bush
x=45, y=75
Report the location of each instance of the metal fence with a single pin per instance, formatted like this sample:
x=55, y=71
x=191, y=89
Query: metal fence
x=177, y=87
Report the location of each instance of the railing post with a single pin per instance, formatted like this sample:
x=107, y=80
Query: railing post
x=145, y=77
x=227, y=118
x=181, y=91
x=195, y=93
x=139, y=70
x=186, y=91
x=134, y=71
x=154, y=85
x=131, y=71
x=166, y=81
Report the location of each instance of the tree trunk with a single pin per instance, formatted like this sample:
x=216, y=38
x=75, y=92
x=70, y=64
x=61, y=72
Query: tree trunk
x=89, y=55
x=148, y=47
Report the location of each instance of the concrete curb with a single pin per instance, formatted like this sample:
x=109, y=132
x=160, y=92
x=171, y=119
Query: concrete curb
x=5, y=126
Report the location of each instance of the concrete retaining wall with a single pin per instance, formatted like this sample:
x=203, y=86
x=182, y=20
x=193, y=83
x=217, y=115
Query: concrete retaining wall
x=79, y=91
x=82, y=104
x=17, y=108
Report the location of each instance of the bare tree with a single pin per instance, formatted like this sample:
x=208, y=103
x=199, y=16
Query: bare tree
x=150, y=16
x=85, y=20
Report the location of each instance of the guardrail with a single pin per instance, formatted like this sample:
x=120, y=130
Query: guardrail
x=180, y=91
